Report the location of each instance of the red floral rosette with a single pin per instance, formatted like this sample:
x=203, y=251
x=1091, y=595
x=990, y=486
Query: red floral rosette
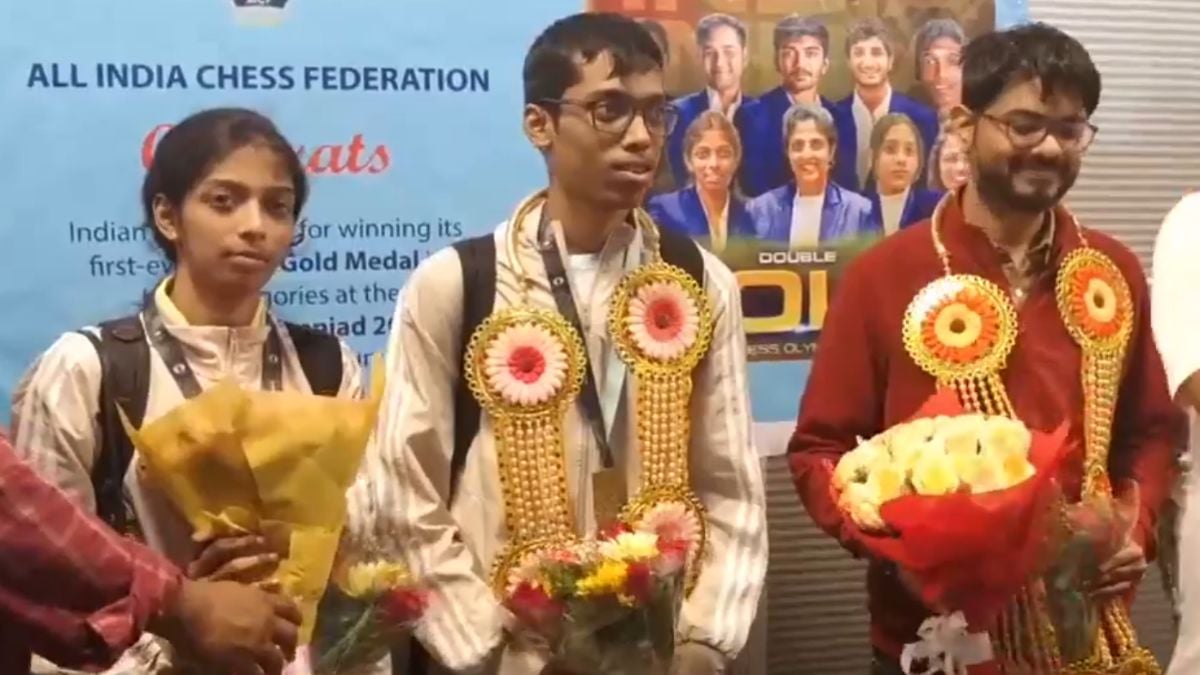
x=974, y=552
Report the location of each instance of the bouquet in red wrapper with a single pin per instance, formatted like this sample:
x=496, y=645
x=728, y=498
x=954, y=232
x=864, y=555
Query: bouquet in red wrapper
x=965, y=504
x=1098, y=527
x=610, y=605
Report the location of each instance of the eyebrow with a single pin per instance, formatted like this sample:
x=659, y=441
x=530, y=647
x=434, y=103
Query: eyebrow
x=230, y=183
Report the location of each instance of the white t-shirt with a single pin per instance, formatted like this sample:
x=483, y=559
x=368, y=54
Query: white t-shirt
x=892, y=207
x=1175, y=291
x=1175, y=315
x=806, y=221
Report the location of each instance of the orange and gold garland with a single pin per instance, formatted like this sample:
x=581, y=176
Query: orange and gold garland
x=961, y=329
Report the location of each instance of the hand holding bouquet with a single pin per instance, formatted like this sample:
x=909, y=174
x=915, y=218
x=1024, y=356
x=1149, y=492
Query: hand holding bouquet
x=1097, y=528
x=370, y=607
x=277, y=464
x=963, y=503
x=607, y=606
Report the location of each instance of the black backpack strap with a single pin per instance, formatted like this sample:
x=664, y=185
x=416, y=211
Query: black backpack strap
x=478, y=258
x=125, y=382
x=320, y=357
x=680, y=251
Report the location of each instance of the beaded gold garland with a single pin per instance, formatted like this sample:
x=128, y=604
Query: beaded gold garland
x=1097, y=308
x=530, y=438
x=664, y=392
x=960, y=329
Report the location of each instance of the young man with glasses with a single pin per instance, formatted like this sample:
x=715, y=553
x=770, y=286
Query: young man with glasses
x=452, y=486
x=1058, y=312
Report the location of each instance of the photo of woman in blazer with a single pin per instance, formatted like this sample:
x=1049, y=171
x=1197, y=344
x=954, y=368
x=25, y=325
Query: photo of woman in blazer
x=897, y=150
x=709, y=207
x=811, y=211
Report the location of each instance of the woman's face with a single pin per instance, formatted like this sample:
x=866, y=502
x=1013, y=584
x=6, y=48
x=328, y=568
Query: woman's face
x=713, y=161
x=952, y=163
x=810, y=154
x=897, y=161
x=235, y=225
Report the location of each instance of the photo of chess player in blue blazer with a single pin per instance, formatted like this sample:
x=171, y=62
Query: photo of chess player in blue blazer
x=722, y=42
x=897, y=159
x=709, y=208
x=802, y=59
x=871, y=57
x=811, y=210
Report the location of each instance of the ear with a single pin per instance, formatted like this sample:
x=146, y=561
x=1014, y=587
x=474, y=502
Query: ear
x=825, y=66
x=539, y=127
x=166, y=218
x=962, y=123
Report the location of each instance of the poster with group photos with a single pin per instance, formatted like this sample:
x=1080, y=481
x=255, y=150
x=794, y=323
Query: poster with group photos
x=807, y=131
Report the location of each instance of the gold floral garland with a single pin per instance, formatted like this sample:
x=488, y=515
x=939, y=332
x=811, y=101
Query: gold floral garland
x=526, y=367
x=961, y=329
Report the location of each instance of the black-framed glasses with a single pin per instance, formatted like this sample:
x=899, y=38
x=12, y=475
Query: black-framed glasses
x=614, y=114
x=1028, y=129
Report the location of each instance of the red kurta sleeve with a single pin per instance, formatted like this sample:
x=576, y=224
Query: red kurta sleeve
x=1148, y=428
x=842, y=400
x=71, y=589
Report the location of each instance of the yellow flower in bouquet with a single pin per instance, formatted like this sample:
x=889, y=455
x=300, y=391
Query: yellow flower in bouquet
x=933, y=473
x=631, y=547
x=276, y=463
x=857, y=464
x=609, y=578
x=932, y=456
x=1004, y=437
x=366, y=580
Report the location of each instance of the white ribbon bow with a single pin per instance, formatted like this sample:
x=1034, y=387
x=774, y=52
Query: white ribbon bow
x=946, y=646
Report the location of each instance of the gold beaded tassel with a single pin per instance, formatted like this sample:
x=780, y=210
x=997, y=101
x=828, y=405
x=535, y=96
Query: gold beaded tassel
x=1097, y=308
x=528, y=449
x=664, y=427
x=1024, y=636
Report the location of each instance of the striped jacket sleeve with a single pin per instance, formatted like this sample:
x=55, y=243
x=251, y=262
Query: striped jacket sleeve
x=727, y=477
x=54, y=416
x=401, y=494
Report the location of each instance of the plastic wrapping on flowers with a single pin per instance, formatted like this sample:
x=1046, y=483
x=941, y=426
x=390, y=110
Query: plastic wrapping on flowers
x=608, y=606
x=1098, y=528
x=962, y=550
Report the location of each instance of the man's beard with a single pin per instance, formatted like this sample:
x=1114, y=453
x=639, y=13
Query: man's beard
x=995, y=183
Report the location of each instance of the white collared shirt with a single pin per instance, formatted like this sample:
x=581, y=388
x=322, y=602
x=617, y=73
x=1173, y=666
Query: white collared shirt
x=864, y=122
x=892, y=208
x=714, y=103
x=806, y=220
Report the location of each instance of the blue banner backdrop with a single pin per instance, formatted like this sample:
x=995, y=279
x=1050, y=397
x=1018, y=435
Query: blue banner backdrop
x=407, y=115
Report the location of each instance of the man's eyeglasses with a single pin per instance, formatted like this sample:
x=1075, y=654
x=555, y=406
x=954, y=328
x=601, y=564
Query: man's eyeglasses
x=615, y=114
x=1028, y=129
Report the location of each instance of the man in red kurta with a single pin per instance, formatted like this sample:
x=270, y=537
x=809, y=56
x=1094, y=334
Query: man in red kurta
x=1028, y=96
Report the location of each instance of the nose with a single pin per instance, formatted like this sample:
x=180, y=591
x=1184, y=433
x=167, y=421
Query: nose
x=1050, y=147
x=250, y=222
x=637, y=137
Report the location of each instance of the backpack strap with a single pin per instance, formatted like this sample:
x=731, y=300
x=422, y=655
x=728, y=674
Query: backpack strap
x=478, y=260
x=320, y=357
x=680, y=251
x=124, y=382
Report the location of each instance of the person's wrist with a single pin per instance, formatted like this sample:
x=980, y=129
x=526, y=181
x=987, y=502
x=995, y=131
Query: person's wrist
x=167, y=621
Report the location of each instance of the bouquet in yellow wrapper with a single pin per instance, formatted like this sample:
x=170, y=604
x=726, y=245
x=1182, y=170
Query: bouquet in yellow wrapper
x=274, y=463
